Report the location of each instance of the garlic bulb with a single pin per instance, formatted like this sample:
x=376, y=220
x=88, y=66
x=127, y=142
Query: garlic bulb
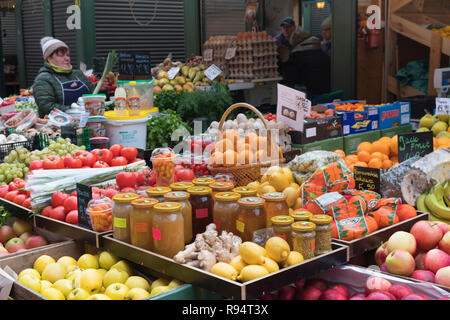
x=241, y=118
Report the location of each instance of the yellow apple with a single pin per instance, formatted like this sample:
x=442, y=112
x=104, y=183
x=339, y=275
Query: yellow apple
x=53, y=294
x=137, y=294
x=31, y=282
x=159, y=282
x=30, y=271
x=175, y=283
x=42, y=262
x=99, y=297
x=102, y=271
x=114, y=276
x=67, y=262
x=53, y=272
x=124, y=266
x=159, y=290
x=90, y=280
x=117, y=291
x=87, y=261
x=107, y=260
x=137, y=282
x=72, y=268
x=78, y=294
x=45, y=285
x=65, y=286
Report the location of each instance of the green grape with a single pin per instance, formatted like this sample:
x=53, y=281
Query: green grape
x=20, y=174
x=26, y=170
x=2, y=177
x=9, y=177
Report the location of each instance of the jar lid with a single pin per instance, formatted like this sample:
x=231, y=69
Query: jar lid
x=125, y=197
x=282, y=220
x=177, y=196
x=228, y=196
x=274, y=196
x=245, y=191
x=251, y=202
x=158, y=191
x=144, y=203
x=167, y=207
x=181, y=186
x=303, y=226
x=199, y=191
x=301, y=215
x=321, y=219
x=203, y=182
x=221, y=186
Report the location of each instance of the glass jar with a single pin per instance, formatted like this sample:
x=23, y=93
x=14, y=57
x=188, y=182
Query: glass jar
x=225, y=211
x=276, y=205
x=281, y=226
x=141, y=223
x=158, y=193
x=100, y=214
x=246, y=192
x=202, y=208
x=163, y=160
x=182, y=197
x=220, y=187
x=168, y=229
x=301, y=215
x=304, y=238
x=122, y=209
x=251, y=217
x=181, y=186
x=203, y=182
x=323, y=233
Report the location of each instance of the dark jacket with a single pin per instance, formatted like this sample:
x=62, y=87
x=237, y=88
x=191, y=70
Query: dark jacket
x=47, y=90
x=283, y=42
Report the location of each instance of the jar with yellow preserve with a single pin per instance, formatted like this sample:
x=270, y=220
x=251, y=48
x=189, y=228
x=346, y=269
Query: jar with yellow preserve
x=122, y=210
x=281, y=226
x=301, y=215
x=246, y=191
x=141, y=223
x=202, y=208
x=182, y=197
x=157, y=193
x=225, y=211
x=276, y=205
x=304, y=238
x=323, y=233
x=168, y=229
x=181, y=186
x=220, y=187
x=203, y=182
x=251, y=217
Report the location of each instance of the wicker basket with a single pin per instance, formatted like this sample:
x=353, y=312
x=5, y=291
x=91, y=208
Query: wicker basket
x=244, y=174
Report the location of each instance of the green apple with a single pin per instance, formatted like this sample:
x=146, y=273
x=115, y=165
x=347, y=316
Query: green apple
x=42, y=262
x=45, y=285
x=68, y=262
x=90, y=280
x=30, y=271
x=106, y=260
x=117, y=291
x=114, y=276
x=31, y=282
x=175, y=283
x=87, y=261
x=65, y=286
x=53, y=294
x=53, y=272
x=137, y=294
x=159, y=290
x=124, y=266
x=99, y=296
x=78, y=294
x=159, y=282
x=137, y=282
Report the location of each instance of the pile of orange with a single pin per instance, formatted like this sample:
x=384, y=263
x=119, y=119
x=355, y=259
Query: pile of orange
x=350, y=107
x=442, y=142
x=232, y=150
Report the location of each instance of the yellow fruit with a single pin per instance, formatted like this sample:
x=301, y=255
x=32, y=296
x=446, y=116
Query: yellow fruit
x=238, y=263
x=159, y=290
x=298, y=204
x=67, y=262
x=31, y=272
x=270, y=265
x=268, y=189
x=225, y=270
x=288, y=174
x=175, y=283
x=293, y=258
x=54, y=272
x=294, y=185
x=292, y=195
x=124, y=266
x=254, y=185
x=261, y=186
x=45, y=285
x=161, y=282
x=42, y=262
x=137, y=282
x=53, y=294
x=279, y=181
x=99, y=296
x=252, y=272
x=137, y=294
x=30, y=281
x=277, y=249
x=251, y=253
x=87, y=261
x=65, y=286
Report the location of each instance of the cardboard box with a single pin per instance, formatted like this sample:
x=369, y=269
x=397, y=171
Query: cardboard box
x=352, y=142
x=325, y=145
x=317, y=130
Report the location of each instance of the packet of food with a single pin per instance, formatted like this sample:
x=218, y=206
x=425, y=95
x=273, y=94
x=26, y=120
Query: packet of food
x=59, y=118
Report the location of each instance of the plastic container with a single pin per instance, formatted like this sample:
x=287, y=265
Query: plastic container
x=163, y=161
x=145, y=91
x=168, y=229
x=141, y=223
x=127, y=131
x=94, y=104
x=99, y=143
x=100, y=213
x=120, y=102
x=96, y=127
x=134, y=101
x=121, y=216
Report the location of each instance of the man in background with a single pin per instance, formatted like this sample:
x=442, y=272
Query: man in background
x=326, y=36
x=288, y=26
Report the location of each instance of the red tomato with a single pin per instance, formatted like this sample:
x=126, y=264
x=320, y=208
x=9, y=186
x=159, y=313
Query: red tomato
x=115, y=149
x=46, y=211
x=145, y=178
x=128, y=190
x=129, y=153
x=36, y=165
x=103, y=155
x=88, y=159
x=58, y=198
x=53, y=162
x=119, y=161
x=12, y=186
x=27, y=203
x=126, y=179
x=72, y=217
x=178, y=168
x=100, y=164
x=185, y=175
x=79, y=153
x=74, y=193
x=58, y=213
x=20, y=183
x=3, y=191
x=11, y=195
x=19, y=199
x=73, y=162
x=71, y=203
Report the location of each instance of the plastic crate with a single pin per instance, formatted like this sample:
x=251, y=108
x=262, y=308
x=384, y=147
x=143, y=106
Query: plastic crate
x=6, y=148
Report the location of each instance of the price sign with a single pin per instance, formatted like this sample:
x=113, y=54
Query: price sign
x=173, y=72
x=443, y=106
x=212, y=72
x=84, y=195
x=292, y=107
x=414, y=144
x=147, y=157
x=367, y=178
x=230, y=53
x=84, y=119
x=208, y=55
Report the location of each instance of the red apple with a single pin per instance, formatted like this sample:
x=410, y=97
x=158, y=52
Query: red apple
x=35, y=241
x=21, y=226
x=443, y=226
x=72, y=217
x=300, y=284
x=46, y=211
x=436, y=259
x=444, y=244
x=380, y=295
x=318, y=283
x=332, y=294
x=14, y=244
x=3, y=253
x=419, y=261
x=6, y=233
x=374, y=284
x=402, y=240
x=24, y=236
x=443, y=277
x=358, y=296
x=400, y=262
x=383, y=267
x=381, y=254
x=286, y=293
x=427, y=233
x=342, y=289
x=415, y=296
x=424, y=275
x=400, y=290
x=311, y=293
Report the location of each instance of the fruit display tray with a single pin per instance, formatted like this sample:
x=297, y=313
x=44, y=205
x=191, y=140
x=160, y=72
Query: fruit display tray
x=224, y=287
x=372, y=241
x=18, y=211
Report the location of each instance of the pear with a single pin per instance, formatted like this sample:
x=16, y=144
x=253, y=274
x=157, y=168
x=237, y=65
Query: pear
x=444, y=118
x=114, y=276
x=124, y=266
x=438, y=127
x=428, y=121
x=107, y=260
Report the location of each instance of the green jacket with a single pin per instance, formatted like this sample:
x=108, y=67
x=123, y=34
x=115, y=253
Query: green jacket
x=47, y=90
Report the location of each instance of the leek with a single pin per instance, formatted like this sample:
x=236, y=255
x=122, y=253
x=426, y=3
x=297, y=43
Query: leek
x=111, y=62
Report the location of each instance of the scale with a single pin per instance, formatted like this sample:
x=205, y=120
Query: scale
x=442, y=82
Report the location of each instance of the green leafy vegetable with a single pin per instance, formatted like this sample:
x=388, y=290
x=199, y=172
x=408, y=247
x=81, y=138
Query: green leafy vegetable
x=160, y=129
x=111, y=61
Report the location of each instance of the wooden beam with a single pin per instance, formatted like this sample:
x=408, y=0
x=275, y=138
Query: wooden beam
x=435, y=61
x=411, y=30
x=419, y=4
x=296, y=12
x=394, y=5
x=406, y=91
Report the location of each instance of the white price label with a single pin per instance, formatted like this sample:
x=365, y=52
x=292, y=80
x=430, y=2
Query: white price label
x=212, y=72
x=173, y=72
x=443, y=106
x=230, y=53
x=208, y=55
x=84, y=119
x=292, y=107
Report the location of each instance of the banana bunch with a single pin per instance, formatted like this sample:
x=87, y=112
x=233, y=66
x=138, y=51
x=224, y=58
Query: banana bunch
x=436, y=202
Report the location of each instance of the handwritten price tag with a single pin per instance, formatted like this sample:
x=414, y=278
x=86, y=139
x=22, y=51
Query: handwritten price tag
x=208, y=55
x=212, y=72
x=230, y=53
x=443, y=106
x=173, y=72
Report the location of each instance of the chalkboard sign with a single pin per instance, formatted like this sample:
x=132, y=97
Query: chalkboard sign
x=414, y=144
x=142, y=64
x=84, y=195
x=147, y=157
x=134, y=64
x=126, y=63
x=367, y=178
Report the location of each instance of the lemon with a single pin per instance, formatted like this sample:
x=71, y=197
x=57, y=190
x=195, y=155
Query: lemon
x=253, y=185
x=270, y=265
x=238, y=263
x=252, y=272
x=294, y=185
x=225, y=270
x=279, y=181
x=252, y=253
x=292, y=195
x=268, y=189
x=277, y=249
x=293, y=258
x=288, y=174
x=298, y=204
x=261, y=186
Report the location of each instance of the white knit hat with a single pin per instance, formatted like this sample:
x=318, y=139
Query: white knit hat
x=327, y=23
x=50, y=45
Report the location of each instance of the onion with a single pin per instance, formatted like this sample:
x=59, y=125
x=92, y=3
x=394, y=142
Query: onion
x=241, y=118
